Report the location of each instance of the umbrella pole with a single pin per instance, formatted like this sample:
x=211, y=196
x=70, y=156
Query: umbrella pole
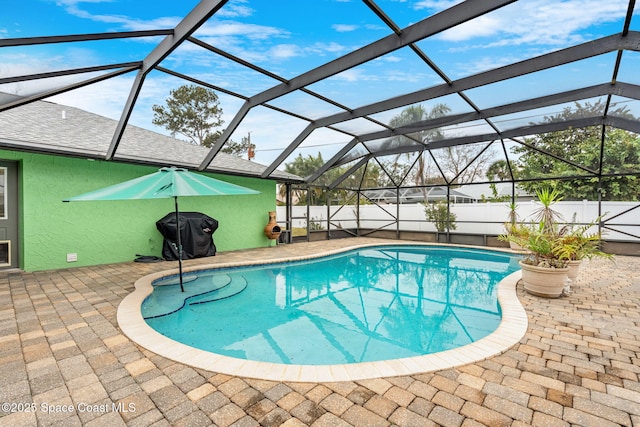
x=179, y=244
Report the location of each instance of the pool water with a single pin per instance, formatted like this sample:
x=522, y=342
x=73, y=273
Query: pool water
x=369, y=304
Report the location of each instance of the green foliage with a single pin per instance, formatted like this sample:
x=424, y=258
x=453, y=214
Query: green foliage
x=550, y=245
x=305, y=166
x=621, y=153
x=577, y=243
x=512, y=226
x=546, y=216
x=500, y=170
x=401, y=166
x=495, y=197
x=440, y=215
x=315, y=224
x=238, y=149
x=192, y=111
x=461, y=163
x=545, y=249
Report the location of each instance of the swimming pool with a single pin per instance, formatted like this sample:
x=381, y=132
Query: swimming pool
x=364, y=305
x=365, y=308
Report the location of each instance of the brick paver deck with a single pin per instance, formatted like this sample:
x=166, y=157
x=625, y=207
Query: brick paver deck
x=64, y=361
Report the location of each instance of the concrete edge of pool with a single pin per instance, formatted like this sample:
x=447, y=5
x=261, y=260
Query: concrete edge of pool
x=509, y=332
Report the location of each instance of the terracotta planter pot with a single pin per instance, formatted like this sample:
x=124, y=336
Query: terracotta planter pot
x=542, y=281
x=574, y=269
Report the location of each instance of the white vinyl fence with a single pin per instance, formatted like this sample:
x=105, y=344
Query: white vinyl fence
x=471, y=218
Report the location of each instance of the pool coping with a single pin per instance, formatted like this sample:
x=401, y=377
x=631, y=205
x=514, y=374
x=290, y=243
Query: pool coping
x=509, y=332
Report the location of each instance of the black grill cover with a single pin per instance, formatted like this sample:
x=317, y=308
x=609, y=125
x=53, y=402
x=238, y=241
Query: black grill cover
x=196, y=230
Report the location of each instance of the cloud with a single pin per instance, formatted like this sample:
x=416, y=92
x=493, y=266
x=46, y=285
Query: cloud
x=283, y=51
x=355, y=75
x=391, y=58
x=231, y=10
x=16, y=64
x=482, y=26
x=540, y=22
x=322, y=48
x=351, y=75
x=239, y=29
x=73, y=7
x=435, y=5
x=344, y=28
x=235, y=9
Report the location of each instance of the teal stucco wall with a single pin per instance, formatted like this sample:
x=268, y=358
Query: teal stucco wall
x=115, y=231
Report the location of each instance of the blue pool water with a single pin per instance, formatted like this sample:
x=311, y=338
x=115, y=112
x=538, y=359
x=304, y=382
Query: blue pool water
x=375, y=303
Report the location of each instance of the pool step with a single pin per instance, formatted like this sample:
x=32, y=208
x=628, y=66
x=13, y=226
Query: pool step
x=168, y=298
x=237, y=285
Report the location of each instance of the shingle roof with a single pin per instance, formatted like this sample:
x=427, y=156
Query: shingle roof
x=54, y=128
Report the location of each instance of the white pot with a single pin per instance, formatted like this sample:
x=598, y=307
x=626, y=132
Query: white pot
x=544, y=281
x=574, y=269
x=516, y=247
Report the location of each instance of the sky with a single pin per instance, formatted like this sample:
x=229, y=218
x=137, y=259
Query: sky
x=290, y=37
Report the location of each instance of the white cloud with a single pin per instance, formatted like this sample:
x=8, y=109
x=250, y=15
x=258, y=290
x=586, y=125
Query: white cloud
x=233, y=28
x=541, y=22
x=16, y=64
x=436, y=5
x=482, y=26
x=235, y=9
x=355, y=75
x=283, y=51
x=376, y=27
x=352, y=75
x=344, y=28
x=322, y=48
x=105, y=98
x=231, y=10
x=73, y=7
x=391, y=58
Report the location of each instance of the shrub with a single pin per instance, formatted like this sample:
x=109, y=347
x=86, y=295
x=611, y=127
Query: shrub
x=439, y=214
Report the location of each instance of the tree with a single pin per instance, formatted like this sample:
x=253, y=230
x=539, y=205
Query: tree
x=413, y=114
x=192, y=111
x=500, y=170
x=464, y=164
x=621, y=153
x=440, y=215
x=305, y=166
x=461, y=163
x=238, y=149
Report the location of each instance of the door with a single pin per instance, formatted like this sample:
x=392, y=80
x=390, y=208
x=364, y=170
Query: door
x=8, y=215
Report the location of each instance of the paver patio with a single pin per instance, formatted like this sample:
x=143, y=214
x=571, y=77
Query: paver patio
x=64, y=361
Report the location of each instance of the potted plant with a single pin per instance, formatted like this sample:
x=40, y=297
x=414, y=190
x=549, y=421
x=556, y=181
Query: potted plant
x=544, y=266
x=546, y=216
x=579, y=244
x=550, y=248
x=515, y=228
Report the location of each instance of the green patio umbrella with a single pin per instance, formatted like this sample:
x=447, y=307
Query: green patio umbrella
x=166, y=183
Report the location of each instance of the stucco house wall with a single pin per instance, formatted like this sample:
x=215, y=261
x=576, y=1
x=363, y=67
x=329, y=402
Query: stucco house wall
x=60, y=152
x=115, y=231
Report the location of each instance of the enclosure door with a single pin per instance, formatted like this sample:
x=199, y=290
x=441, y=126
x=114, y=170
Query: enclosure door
x=8, y=215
